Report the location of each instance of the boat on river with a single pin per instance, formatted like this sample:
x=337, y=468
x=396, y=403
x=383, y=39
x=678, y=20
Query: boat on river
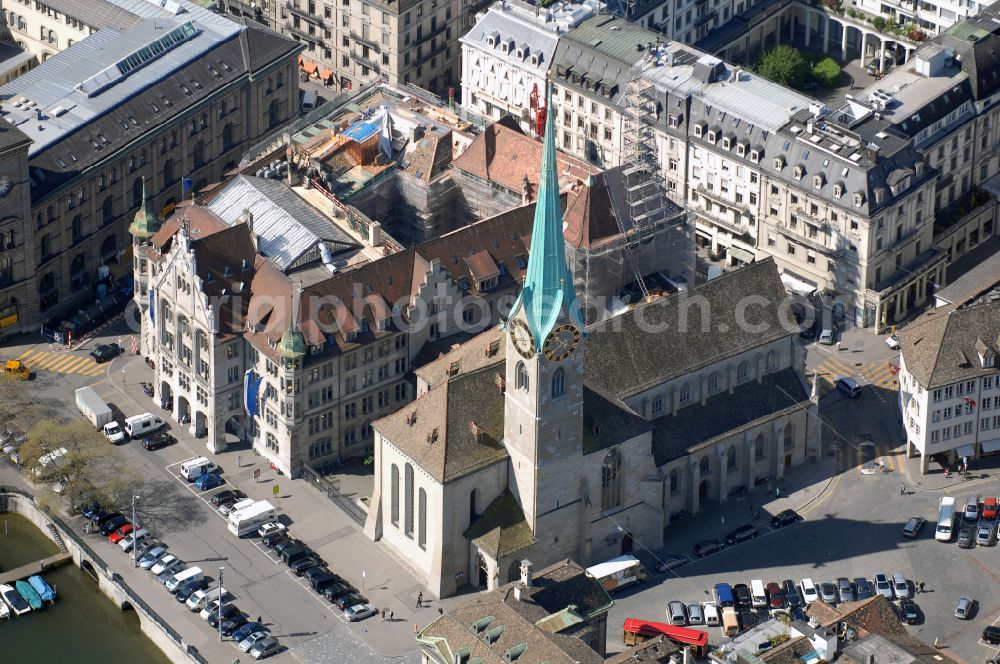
x=29, y=594
x=13, y=600
x=44, y=590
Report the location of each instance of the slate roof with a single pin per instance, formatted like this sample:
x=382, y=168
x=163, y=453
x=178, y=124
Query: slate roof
x=541, y=38
x=484, y=349
x=939, y=347
x=623, y=359
x=985, y=276
x=501, y=530
x=436, y=430
x=751, y=402
x=287, y=226
x=97, y=13
x=975, y=43
x=430, y=157
x=562, y=585
x=608, y=422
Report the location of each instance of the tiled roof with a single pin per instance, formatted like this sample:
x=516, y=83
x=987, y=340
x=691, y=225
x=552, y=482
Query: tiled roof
x=482, y=350
x=454, y=429
x=501, y=530
x=608, y=422
x=939, y=347
x=430, y=157
x=623, y=359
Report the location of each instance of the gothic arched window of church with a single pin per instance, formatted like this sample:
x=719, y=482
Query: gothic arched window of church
x=742, y=372
x=772, y=360
x=675, y=481
x=703, y=466
x=514, y=571
x=395, y=495
x=422, y=519
x=408, y=496
x=685, y=393
x=558, y=383
x=789, y=436
x=611, y=481
x=760, y=450
x=521, y=377
x=731, y=460
x=713, y=382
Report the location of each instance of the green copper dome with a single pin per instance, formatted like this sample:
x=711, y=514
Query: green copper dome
x=292, y=345
x=146, y=223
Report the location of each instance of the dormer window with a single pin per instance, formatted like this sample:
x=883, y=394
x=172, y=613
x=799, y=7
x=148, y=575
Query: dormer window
x=673, y=120
x=726, y=142
x=534, y=59
x=491, y=40
x=504, y=47
x=711, y=136
x=779, y=163
x=818, y=181
x=798, y=172
x=755, y=156
x=859, y=200
x=698, y=130
x=741, y=149
x=838, y=190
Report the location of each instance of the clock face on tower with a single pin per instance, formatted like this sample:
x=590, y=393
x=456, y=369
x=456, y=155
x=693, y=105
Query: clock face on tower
x=561, y=342
x=5, y=185
x=521, y=336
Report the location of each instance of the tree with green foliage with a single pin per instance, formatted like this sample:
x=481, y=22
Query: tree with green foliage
x=783, y=64
x=827, y=72
x=879, y=23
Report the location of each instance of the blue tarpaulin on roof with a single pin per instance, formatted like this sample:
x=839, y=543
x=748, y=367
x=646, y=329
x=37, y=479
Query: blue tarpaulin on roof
x=362, y=130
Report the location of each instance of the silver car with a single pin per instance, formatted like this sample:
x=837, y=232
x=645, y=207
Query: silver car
x=986, y=534
x=695, y=614
x=963, y=610
x=883, y=586
x=901, y=586
x=677, y=613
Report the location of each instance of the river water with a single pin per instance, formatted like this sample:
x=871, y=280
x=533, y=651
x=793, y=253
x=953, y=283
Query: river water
x=83, y=626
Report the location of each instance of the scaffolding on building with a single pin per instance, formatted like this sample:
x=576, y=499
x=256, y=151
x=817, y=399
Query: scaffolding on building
x=645, y=207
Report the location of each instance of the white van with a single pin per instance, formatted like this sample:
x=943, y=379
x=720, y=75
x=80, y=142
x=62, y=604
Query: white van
x=711, y=613
x=139, y=425
x=194, y=468
x=757, y=595
x=199, y=598
x=309, y=99
x=190, y=574
x=114, y=432
x=809, y=594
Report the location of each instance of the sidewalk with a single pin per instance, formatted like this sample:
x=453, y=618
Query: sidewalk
x=982, y=471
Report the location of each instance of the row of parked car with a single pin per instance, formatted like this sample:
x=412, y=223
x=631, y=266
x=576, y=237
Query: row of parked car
x=186, y=582
x=744, y=533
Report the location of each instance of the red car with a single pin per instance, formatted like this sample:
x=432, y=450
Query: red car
x=120, y=534
x=990, y=508
x=774, y=596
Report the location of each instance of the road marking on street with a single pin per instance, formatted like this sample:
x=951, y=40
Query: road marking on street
x=855, y=456
x=823, y=498
x=64, y=362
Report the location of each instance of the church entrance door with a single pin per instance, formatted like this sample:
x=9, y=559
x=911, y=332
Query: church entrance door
x=703, y=489
x=484, y=574
x=627, y=543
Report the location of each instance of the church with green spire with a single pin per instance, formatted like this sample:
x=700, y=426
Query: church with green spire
x=542, y=439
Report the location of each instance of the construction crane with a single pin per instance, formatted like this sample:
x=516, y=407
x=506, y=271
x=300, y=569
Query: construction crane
x=645, y=202
x=538, y=111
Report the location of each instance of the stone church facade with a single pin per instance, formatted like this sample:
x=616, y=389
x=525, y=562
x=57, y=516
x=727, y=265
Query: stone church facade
x=547, y=439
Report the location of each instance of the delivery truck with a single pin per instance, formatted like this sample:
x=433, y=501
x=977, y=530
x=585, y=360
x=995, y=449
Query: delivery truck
x=618, y=572
x=93, y=407
x=248, y=519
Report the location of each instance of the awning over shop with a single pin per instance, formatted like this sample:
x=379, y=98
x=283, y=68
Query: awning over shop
x=797, y=285
x=966, y=451
x=309, y=67
x=326, y=74
x=990, y=446
x=741, y=255
x=301, y=60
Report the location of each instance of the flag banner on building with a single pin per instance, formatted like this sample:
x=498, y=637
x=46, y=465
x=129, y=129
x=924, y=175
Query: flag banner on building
x=152, y=305
x=187, y=185
x=251, y=386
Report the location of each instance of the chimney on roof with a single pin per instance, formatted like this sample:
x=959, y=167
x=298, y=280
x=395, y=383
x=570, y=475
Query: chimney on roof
x=248, y=220
x=526, y=573
x=735, y=78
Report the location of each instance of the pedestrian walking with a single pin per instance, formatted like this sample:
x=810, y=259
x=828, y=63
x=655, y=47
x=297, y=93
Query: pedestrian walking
x=239, y=460
x=383, y=615
x=260, y=619
x=420, y=599
x=921, y=586
x=777, y=492
x=390, y=615
x=440, y=611
x=902, y=489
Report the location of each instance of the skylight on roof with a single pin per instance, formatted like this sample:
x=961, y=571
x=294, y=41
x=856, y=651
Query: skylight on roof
x=136, y=60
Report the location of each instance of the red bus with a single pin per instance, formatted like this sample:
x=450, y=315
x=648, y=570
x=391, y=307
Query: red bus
x=638, y=631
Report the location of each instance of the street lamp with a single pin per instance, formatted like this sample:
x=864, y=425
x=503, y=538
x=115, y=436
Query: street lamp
x=135, y=529
x=220, y=603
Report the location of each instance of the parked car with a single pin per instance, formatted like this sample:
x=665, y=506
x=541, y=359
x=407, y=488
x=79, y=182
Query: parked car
x=791, y=593
x=971, y=512
x=271, y=528
x=105, y=352
x=677, y=613
x=248, y=642
x=360, y=612
x=966, y=539
x=986, y=534
x=264, y=648
x=991, y=634
x=303, y=565
x=913, y=526
x=742, y=596
x=863, y=589
x=208, y=481
x=126, y=543
x=121, y=533
x=908, y=611
x=161, y=563
x=335, y=590
x=158, y=440
x=892, y=341
x=784, y=518
x=90, y=509
x=226, y=612
x=170, y=570
x=695, y=614
x=288, y=543
x=901, y=586
x=828, y=592
x=100, y=516
x=271, y=540
x=150, y=557
x=706, y=547
x=844, y=591
x=188, y=588
x=321, y=581
x=350, y=599
x=672, y=561
x=143, y=547
x=990, y=508
x=883, y=586
x=774, y=597
x=232, y=624
x=229, y=496
x=112, y=525
x=742, y=534
x=964, y=607
x=247, y=630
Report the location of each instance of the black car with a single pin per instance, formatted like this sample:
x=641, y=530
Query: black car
x=281, y=546
x=702, y=549
x=321, y=581
x=187, y=589
x=312, y=573
x=232, y=624
x=809, y=333
x=348, y=600
x=782, y=519
x=303, y=565
x=909, y=612
x=863, y=589
x=744, y=533
x=791, y=592
x=103, y=517
x=741, y=595
x=229, y=496
x=112, y=525
x=158, y=440
x=991, y=634
x=227, y=612
x=274, y=539
x=966, y=538
x=105, y=352
x=335, y=590
x=747, y=618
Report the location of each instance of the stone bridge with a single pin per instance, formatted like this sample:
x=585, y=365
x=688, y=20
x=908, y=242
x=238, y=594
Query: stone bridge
x=111, y=583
